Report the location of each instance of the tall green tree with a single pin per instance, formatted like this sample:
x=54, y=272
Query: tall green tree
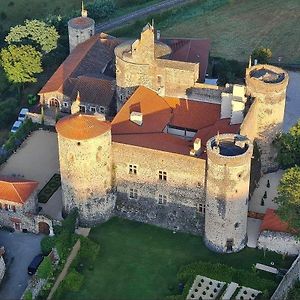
x=21, y=63
x=288, y=145
x=35, y=32
x=288, y=198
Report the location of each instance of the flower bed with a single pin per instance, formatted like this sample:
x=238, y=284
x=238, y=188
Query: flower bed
x=49, y=189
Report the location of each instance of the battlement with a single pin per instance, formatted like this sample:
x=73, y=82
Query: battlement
x=266, y=79
x=229, y=149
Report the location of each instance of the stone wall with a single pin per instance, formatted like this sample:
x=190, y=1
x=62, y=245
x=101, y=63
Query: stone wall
x=85, y=168
x=279, y=242
x=2, y=268
x=228, y=179
x=183, y=188
x=288, y=281
x=37, y=118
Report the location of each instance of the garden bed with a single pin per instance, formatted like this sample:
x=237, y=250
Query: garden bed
x=49, y=189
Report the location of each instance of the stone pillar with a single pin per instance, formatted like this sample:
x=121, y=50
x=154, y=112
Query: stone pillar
x=228, y=179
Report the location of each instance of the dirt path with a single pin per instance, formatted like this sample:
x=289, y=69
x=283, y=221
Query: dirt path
x=143, y=12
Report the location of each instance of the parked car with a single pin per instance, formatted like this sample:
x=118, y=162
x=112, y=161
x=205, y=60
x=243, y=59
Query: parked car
x=35, y=264
x=16, y=126
x=22, y=114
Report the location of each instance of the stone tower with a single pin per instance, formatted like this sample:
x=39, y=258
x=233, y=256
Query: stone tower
x=267, y=86
x=136, y=64
x=86, y=167
x=80, y=29
x=228, y=179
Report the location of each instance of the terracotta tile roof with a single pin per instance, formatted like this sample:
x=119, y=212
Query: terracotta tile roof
x=88, y=59
x=190, y=50
x=273, y=223
x=81, y=22
x=159, y=112
x=81, y=127
x=92, y=90
x=16, y=190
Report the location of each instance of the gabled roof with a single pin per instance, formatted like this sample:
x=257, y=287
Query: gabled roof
x=87, y=59
x=16, y=190
x=158, y=112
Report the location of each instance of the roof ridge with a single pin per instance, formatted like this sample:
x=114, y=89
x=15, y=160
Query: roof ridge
x=20, y=198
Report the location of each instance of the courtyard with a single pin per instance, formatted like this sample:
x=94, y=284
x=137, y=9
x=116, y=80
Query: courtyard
x=37, y=159
x=138, y=261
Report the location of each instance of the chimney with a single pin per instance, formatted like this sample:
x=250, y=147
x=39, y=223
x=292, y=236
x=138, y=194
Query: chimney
x=136, y=118
x=197, y=148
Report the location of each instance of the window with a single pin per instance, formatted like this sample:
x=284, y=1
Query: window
x=201, y=208
x=102, y=109
x=162, y=175
x=93, y=109
x=14, y=208
x=65, y=104
x=0, y=205
x=162, y=199
x=5, y=206
x=133, y=194
x=82, y=108
x=133, y=169
x=159, y=79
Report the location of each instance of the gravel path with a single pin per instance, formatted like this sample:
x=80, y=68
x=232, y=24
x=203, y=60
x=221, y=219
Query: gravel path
x=143, y=12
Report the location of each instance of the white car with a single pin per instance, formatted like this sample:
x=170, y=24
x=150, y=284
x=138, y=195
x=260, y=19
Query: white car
x=22, y=114
x=16, y=126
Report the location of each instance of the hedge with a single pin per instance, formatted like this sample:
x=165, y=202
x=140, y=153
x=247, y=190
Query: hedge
x=45, y=269
x=49, y=189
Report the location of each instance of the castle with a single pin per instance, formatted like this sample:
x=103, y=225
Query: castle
x=178, y=152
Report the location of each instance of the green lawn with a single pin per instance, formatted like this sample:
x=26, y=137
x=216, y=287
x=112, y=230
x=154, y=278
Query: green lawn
x=140, y=262
x=237, y=27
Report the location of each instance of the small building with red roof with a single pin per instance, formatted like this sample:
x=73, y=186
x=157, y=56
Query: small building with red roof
x=18, y=200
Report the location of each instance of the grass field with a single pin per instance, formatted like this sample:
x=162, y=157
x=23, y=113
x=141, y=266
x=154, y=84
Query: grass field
x=236, y=27
x=138, y=261
x=13, y=12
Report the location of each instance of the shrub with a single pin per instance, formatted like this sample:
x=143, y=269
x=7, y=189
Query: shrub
x=28, y=295
x=87, y=254
x=47, y=243
x=45, y=269
x=8, y=112
x=73, y=281
x=69, y=223
x=263, y=55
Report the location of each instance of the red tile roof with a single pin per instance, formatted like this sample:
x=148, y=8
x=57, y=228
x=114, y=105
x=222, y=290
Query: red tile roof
x=158, y=112
x=16, y=190
x=190, y=50
x=272, y=222
x=81, y=127
x=88, y=58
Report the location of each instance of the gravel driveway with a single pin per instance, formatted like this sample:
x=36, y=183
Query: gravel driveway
x=20, y=249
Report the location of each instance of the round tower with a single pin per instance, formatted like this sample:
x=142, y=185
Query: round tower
x=86, y=166
x=267, y=85
x=228, y=179
x=80, y=29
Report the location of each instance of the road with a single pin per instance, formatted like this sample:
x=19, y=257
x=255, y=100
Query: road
x=20, y=249
x=143, y=12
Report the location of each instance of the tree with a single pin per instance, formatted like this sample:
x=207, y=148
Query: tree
x=101, y=9
x=36, y=31
x=288, y=146
x=21, y=63
x=263, y=55
x=288, y=198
